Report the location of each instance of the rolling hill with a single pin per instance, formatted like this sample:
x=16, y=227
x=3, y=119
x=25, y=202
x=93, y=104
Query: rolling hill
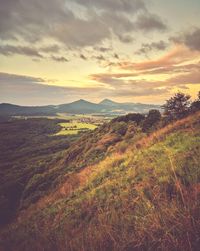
x=116, y=188
x=78, y=107
x=81, y=106
x=16, y=110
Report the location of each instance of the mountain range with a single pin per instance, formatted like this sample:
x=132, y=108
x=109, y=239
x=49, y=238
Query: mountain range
x=81, y=106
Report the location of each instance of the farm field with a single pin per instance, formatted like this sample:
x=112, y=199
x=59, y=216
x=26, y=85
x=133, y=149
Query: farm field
x=71, y=128
x=73, y=124
x=66, y=116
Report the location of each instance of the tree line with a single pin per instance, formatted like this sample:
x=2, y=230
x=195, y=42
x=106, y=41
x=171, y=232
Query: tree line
x=176, y=107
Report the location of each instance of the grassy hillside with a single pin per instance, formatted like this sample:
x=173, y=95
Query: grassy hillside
x=144, y=195
x=28, y=150
x=123, y=190
x=35, y=160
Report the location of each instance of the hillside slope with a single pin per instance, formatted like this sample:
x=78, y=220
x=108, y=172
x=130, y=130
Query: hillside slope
x=34, y=161
x=27, y=150
x=143, y=195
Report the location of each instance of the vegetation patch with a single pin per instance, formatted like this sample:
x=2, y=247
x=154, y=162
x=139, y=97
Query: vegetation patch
x=130, y=184
x=73, y=128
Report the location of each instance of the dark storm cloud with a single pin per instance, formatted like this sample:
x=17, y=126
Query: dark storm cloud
x=29, y=19
x=41, y=52
x=100, y=58
x=59, y=59
x=116, y=56
x=35, y=20
x=83, y=57
x=29, y=90
x=119, y=23
x=126, y=38
x=148, y=47
x=13, y=78
x=114, y=5
x=50, y=48
x=191, y=39
x=103, y=49
x=9, y=50
x=150, y=22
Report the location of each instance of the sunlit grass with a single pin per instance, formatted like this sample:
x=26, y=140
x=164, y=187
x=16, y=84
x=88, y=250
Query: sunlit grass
x=73, y=128
x=137, y=198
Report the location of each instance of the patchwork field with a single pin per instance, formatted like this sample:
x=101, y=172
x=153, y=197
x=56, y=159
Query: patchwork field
x=73, y=124
x=71, y=128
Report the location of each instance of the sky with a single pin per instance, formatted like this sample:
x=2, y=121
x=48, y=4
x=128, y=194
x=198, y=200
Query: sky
x=59, y=51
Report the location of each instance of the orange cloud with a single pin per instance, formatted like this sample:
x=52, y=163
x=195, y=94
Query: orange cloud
x=177, y=55
x=176, y=69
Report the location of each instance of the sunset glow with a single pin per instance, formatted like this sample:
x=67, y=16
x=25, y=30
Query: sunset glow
x=54, y=52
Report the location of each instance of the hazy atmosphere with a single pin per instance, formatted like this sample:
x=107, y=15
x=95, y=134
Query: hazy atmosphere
x=59, y=51
x=99, y=125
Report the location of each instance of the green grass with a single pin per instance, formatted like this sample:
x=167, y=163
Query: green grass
x=145, y=198
x=66, y=116
x=73, y=128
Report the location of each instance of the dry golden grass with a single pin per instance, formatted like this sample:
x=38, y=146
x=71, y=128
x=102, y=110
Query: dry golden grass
x=183, y=124
x=142, y=198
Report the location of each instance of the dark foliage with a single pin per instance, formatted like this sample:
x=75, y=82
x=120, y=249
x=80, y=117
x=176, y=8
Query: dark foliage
x=4, y=118
x=135, y=117
x=177, y=107
x=27, y=148
x=33, y=162
x=152, y=120
x=195, y=106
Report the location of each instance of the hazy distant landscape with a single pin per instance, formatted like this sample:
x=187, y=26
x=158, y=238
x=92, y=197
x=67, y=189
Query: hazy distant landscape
x=105, y=107
x=99, y=125
x=79, y=116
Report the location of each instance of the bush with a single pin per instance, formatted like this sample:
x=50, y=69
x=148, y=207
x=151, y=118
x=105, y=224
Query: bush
x=119, y=128
x=195, y=106
x=177, y=107
x=152, y=119
x=135, y=117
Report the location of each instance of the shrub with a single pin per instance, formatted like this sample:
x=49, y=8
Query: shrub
x=195, y=106
x=177, y=107
x=152, y=119
x=135, y=117
x=119, y=128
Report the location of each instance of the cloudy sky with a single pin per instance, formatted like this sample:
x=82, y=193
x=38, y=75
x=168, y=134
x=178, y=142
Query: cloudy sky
x=58, y=51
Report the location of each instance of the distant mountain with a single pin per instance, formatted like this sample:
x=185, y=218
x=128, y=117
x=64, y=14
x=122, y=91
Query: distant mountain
x=81, y=106
x=128, y=107
x=108, y=102
x=14, y=110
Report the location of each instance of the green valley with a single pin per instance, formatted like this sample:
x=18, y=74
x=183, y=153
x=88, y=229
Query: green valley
x=132, y=183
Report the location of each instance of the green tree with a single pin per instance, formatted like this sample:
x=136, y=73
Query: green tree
x=177, y=106
x=152, y=119
x=196, y=104
x=119, y=128
x=134, y=117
